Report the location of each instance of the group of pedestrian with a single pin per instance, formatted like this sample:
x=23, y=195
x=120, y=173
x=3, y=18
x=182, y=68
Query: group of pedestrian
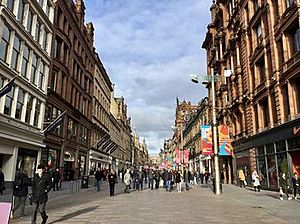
x=286, y=185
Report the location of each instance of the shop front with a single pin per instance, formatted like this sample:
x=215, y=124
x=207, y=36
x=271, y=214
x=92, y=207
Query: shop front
x=277, y=151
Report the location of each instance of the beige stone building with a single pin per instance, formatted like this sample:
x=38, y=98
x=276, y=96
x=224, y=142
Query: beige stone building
x=120, y=130
x=258, y=41
x=141, y=156
x=26, y=29
x=102, y=143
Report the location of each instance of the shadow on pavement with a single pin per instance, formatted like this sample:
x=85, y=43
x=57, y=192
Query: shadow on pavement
x=74, y=214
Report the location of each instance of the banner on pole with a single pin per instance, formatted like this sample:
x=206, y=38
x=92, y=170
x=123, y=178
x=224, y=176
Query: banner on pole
x=186, y=156
x=225, y=147
x=177, y=155
x=206, y=140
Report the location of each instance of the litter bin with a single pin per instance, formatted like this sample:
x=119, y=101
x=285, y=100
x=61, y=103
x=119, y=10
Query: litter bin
x=85, y=182
x=214, y=185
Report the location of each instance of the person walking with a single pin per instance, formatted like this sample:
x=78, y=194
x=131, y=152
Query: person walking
x=186, y=176
x=151, y=177
x=295, y=183
x=140, y=179
x=99, y=178
x=255, y=180
x=2, y=181
x=41, y=185
x=112, y=180
x=242, y=178
x=20, y=192
x=284, y=187
x=56, y=179
x=127, y=181
x=178, y=180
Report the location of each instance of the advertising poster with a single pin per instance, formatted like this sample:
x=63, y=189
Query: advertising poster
x=206, y=140
x=225, y=148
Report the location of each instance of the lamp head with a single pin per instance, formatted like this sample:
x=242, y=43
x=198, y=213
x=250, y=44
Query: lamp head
x=194, y=78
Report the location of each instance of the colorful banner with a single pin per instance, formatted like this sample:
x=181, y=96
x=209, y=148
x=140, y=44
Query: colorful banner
x=177, y=156
x=225, y=147
x=186, y=154
x=206, y=140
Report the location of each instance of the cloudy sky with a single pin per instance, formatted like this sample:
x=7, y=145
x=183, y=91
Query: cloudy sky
x=149, y=49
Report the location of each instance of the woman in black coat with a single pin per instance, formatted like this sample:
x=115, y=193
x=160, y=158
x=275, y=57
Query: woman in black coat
x=41, y=185
x=20, y=191
x=112, y=180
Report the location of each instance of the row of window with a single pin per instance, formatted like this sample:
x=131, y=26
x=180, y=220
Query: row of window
x=74, y=128
x=21, y=105
x=31, y=22
x=21, y=58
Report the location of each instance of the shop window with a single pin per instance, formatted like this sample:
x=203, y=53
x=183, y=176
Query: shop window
x=26, y=161
x=272, y=173
x=260, y=150
x=20, y=102
x=280, y=146
x=15, y=53
x=282, y=163
x=261, y=165
x=293, y=143
x=270, y=148
x=4, y=42
x=9, y=101
x=29, y=108
x=25, y=61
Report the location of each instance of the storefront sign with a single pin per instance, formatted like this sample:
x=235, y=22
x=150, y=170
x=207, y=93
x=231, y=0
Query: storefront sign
x=206, y=140
x=296, y=131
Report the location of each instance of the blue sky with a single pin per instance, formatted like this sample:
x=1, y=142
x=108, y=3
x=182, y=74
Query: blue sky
x=149, y=49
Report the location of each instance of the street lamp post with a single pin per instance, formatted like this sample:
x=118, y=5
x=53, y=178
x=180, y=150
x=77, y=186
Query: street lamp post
x=215, y=143
x=212, y=79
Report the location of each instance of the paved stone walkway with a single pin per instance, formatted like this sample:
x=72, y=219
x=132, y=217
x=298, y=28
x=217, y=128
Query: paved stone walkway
x=199, y=205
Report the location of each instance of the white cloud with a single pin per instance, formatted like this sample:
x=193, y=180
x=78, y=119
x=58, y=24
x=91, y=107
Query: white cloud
x=149, y=49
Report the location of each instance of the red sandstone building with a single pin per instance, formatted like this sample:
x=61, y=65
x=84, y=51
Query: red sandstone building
x=259, y=41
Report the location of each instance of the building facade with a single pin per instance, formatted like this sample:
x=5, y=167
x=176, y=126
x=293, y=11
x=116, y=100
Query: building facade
x=258, y=41
x=26, y=29
x=101, y=118
x=70, y=90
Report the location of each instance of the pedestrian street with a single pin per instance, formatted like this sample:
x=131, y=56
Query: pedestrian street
x=198, y=205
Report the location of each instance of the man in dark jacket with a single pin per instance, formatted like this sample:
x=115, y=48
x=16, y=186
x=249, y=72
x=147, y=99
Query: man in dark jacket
x=112, y=180
x=20, y=192
x=99, y=178
x=41, y=185
x=56, y=179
